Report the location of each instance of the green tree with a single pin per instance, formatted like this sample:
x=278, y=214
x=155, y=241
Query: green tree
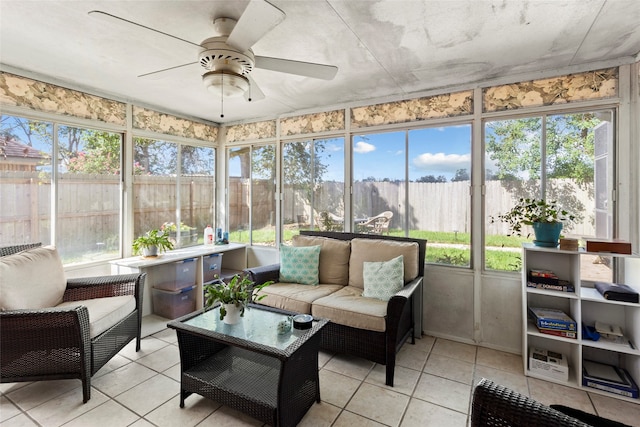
x=461, y=175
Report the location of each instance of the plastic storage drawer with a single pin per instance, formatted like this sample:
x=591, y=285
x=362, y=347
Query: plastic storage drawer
x=173, y=304
x=176, y=275
x=211, y=267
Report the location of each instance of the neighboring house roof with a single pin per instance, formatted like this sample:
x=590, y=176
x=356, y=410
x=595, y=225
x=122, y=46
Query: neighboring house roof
x=11, y=148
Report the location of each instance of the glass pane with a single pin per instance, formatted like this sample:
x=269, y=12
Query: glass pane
x=263, y=195
x=297, y=187
x=439, y=180
x=89, y=196
x=26, y=150
x=154, y=185
x=197, y=191
x=328, y=194
x=239, y=173
x=313, y=200
x=513, y=168
x=379, y=167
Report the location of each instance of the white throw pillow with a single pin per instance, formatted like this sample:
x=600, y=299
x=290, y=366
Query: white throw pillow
x=383, y=279
x=32, y=279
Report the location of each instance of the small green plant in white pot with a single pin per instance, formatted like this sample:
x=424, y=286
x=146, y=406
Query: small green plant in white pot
x=232, y=296
x=546, y=219
x=152, y=243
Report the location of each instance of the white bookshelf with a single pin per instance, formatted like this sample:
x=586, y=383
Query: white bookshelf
x=585, y=305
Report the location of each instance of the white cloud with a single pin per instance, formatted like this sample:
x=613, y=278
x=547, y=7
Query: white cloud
x=441, y=162
x=363, y=147
x=334, y=147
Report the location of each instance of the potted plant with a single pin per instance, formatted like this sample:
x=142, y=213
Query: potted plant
x=545, y=217
x=232, y=296
x=151, y=243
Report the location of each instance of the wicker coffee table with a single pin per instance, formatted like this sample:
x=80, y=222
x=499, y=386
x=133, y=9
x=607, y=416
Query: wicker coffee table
x=249, y=366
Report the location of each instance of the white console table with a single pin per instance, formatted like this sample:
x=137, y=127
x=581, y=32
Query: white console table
x=234, y=260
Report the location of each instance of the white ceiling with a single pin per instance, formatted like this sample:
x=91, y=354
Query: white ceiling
x=383, y=49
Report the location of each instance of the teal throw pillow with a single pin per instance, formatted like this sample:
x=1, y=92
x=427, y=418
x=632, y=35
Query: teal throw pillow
x=299, y=264
x=383, y=279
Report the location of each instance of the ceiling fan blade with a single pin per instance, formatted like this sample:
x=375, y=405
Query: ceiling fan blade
x=254, y=93
x=258, y=19
x=306, y=69
x=125, y=23
x=161, y=74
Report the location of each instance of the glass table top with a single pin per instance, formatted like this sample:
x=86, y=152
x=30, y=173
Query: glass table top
x=257, y=325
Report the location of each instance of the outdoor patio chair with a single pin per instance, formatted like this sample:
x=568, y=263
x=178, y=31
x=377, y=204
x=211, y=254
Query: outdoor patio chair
x=52, y=328
x=378, y=224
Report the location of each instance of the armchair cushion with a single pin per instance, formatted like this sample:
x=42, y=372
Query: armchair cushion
x=383, y=279
x=31, y=279
x=104, y=312
x=372, y=250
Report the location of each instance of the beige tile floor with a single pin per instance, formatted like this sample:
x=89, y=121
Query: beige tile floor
x=433, y=387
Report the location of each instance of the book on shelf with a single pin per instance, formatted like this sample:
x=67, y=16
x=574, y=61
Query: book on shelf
x=617, y=292
x=548, y=363
x=547, y=277
x=551, y=318
x=558, y=333
x=562, y=285
x=609, y=378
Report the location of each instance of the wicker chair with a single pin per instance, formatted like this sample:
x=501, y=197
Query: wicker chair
x=495, y=405
x=55, y=343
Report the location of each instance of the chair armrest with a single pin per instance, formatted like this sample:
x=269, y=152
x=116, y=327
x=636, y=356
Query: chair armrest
x=397, y=302
x=265, y=273
x=106, y=286
x=22, y=331
x=495, y=405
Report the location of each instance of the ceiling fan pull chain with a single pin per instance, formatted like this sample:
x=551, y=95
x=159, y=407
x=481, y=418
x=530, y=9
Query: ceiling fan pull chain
x=250, y=86
x=222, y=96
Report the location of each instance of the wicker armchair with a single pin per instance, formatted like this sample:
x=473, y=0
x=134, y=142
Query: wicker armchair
x=55, y=343
x=495, y=405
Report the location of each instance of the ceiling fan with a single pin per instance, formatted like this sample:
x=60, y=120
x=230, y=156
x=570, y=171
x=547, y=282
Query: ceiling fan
x=227, y=60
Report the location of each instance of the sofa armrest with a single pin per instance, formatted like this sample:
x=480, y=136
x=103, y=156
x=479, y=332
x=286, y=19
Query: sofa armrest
x=106, y=286
x=265, y=273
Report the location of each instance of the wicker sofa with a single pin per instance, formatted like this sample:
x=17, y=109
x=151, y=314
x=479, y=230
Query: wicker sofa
x=91, y=320
x=365, y=327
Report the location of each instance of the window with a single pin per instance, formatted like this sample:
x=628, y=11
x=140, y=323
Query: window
x=167, y=176
x=252, y=194
x=567, y=158
x=79, y=169
x=312, y=186
x=438, y=192
x=26, y=153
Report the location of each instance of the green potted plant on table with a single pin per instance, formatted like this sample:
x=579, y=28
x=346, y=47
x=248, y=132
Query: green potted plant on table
x=545, y=217
x=151, y=243
x=232, y=296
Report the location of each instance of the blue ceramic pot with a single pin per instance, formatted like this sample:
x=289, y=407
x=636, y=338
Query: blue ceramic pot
x=547, y=233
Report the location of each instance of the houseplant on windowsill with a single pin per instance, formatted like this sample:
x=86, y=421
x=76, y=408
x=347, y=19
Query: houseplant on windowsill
x=232, y=296
x=151, y=243
x=545, y=217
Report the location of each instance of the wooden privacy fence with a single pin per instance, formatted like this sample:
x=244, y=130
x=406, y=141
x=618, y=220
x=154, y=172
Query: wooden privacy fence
x=88, y=208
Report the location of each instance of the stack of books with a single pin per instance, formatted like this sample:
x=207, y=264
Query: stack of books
x=608, y=378
x=548, y=363
x=547, y=279
x=553, y=322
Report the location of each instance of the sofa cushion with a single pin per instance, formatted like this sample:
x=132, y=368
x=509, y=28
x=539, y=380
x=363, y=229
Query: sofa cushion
x=334, y=258
x=299, y=264
x=376, y=250
x=383, y=279
x=104, y=312
x=32, y=279
x=294, y=296
x=348, y=307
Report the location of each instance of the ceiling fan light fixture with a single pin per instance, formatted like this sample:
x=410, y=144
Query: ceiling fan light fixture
x=225, y=83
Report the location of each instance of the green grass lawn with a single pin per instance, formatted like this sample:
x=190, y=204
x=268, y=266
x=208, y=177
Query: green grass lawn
x=496, y=259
